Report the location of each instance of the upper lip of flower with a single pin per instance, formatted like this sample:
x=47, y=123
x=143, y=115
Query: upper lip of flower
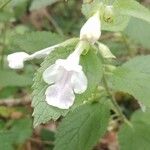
x=68, y=66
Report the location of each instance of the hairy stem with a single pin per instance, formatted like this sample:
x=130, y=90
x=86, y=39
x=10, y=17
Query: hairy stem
x=118, y=110
x=54, y=23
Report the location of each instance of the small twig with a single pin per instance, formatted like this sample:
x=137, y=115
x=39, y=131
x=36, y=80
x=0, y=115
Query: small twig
x=54, y=23
x=15, y=102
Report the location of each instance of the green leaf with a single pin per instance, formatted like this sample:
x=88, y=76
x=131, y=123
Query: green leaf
x=132, y=8
x=118, y=48
x=91, y=64
x=139, y=31
x=82, y=128
x=42, y=111
x=136, y=138
x=37, y=4
x=21, y=130
x=35, y=41
x=88, y=9
x=3, y=3
x=133, y=77
x=119, y=23
x=11, y=78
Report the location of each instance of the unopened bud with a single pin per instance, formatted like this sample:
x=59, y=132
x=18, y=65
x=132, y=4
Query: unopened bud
x=91, y=30
x=105, y=51
x=108, y=15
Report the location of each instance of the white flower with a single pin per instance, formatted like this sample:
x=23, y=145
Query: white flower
x=16, y=60
x=65, y=78
x=91, y=30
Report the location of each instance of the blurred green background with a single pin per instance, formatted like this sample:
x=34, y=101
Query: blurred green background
x=27, y=25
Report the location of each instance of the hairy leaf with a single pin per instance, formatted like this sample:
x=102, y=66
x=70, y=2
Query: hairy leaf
x=35, y=41
x=42, y=111
x=137, y=137
x=83, y=127
x=91, y=64
x=139, y=31
x=133, y=77
x=133, y=8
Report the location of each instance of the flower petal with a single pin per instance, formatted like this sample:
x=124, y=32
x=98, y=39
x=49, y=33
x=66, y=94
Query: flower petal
x=50, y=74
x=16, y=60
x=69, y=64
x=61, y=98
x=79, y=82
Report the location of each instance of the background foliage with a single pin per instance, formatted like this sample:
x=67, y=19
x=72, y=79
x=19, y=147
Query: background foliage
x=29, y=26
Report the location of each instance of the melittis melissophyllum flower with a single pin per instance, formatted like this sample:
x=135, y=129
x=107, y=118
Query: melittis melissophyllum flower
x=65, y=78
x=16, y=60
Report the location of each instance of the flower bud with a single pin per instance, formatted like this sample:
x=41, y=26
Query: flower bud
x=91, y=30
x=108, y=15
x=105, y=51
x=110, y=68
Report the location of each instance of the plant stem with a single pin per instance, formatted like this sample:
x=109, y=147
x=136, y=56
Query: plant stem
x=131, y=49
x=118, y=110
x=54, y=23
x=3, y=47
